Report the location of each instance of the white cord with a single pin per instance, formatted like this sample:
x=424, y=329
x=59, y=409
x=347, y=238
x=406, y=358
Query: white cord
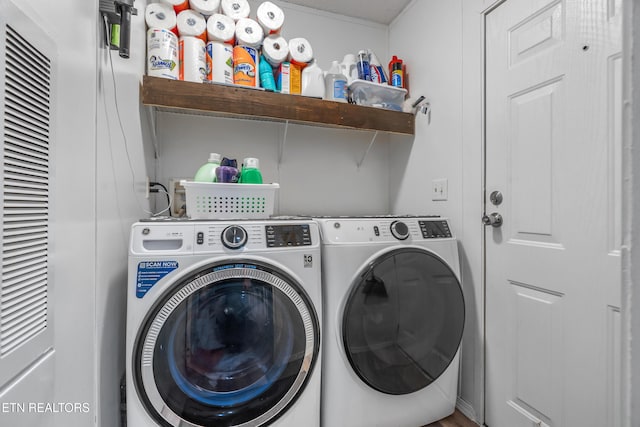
x=124, y=136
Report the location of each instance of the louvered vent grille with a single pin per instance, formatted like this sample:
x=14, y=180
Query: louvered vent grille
x=23, y=301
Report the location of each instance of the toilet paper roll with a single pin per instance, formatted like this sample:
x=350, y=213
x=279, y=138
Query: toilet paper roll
x=193, y=66
x=221, y=28
x=235, y=9
x=220, y=62
x=192, y=23
x=270, y=17
x=205, y=7
x=162, y=53
x=160, y=15
x=177, y=5
x=300, y=51
x=275, y=49
x=249, y=33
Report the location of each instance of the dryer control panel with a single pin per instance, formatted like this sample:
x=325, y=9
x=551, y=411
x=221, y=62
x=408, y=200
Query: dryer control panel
x=400, y=229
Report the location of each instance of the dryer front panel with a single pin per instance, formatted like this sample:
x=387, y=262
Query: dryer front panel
x=403, y=321
x=231, y=345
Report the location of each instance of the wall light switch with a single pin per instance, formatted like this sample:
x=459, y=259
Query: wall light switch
x=439, y=190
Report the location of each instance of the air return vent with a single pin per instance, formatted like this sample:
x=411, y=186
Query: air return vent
x=25, y=198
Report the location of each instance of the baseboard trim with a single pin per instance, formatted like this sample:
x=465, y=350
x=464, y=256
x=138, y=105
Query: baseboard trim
x=467, y=410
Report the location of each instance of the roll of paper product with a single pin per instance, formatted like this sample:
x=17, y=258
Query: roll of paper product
x=177, y=5
x=249, y=33
x=221, y=28
x=235, y=9
x=245, y=65
x=160, y=15
x=205, y=7
x=300, y=51
x=162, y=53
x=193, y=66
x=192, y=23
x=275, y=49
x=270, y=17
x=220, y=62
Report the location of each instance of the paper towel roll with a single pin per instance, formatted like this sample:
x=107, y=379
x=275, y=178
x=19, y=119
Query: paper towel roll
x=275, y=49
x=205, y=7
x=220, y=62
x=300, y=51
x=160, y=15
x=162, y=53
x=235, y=9
x=193, y=66
x=192, y=23
x=249, y=33
x=177, y=5
x=270, y=17
x=221, y=28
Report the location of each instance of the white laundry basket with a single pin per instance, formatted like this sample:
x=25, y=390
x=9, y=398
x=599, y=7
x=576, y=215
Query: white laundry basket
x=213, y=200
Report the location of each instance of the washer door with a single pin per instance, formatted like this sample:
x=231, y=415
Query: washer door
x=403, y=321
x=231, y=345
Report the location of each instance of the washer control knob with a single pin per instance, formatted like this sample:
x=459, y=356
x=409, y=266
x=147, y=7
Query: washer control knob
x=399, y=230
x=234, y=237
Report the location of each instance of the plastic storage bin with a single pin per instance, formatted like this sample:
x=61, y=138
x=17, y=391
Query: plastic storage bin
x=216, y=200
x=377, y=95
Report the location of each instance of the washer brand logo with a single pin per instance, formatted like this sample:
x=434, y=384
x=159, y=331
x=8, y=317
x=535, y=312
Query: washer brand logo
x=308, y=261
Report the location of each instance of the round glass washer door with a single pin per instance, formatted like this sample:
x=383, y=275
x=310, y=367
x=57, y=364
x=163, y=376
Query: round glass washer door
x=231, y=345
x=403, y=321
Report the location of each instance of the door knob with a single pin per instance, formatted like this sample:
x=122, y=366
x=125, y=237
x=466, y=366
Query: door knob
x=493, y=219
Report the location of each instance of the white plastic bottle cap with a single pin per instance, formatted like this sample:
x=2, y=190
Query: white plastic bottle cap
x=215, y=158
x=251, y=162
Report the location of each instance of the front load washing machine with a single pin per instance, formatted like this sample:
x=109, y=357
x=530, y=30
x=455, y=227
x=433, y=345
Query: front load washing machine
x=223, y=323
x=394, y=316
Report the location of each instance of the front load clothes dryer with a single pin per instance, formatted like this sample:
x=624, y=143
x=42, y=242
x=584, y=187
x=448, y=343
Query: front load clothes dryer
x=223, y=323
x=394, y=316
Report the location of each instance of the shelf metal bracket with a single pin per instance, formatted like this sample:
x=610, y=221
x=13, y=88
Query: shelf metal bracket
x=283, y=142
x=366, y=153
x=153, y=122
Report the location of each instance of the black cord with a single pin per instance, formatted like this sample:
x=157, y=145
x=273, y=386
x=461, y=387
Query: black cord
x=154, y=184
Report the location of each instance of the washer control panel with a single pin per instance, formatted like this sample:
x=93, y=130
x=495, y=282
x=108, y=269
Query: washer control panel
x=279, y=236
x=434, y=229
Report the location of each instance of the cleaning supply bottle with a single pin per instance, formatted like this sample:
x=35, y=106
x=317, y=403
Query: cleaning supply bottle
x=267, y=80
x=378, y=74
x=364, y=71
x=395, y=72
x=207, y=172
x=250, y=173
x=335, y=84
x=313, y=80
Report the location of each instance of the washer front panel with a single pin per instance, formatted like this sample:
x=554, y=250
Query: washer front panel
x=403, y=321
x=232, y=345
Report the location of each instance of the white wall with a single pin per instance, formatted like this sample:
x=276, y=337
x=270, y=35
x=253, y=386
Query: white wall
x=318, y=172
x=440, y=40
x=124, y=147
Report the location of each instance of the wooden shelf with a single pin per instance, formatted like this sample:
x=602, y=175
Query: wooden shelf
x=237, y=101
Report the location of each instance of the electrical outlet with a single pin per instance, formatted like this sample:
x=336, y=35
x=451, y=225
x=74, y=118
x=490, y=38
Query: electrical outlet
x=439, y=189
x=178, y=197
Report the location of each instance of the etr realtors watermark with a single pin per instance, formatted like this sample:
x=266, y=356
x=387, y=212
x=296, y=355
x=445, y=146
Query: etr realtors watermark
x=44, y=408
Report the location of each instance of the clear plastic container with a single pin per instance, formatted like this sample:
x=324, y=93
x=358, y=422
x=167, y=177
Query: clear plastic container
x=377, y=95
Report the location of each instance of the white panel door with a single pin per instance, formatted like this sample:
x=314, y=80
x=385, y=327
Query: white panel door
x=552, y=267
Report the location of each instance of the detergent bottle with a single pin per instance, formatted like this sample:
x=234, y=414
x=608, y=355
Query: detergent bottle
x=207, y=172
x=250, y=171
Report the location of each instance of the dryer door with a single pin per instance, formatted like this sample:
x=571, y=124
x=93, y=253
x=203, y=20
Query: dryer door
x=230, y=345
x=403, y=321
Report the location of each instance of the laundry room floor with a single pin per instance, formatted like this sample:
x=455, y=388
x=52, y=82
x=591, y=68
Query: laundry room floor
x=454, y=420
